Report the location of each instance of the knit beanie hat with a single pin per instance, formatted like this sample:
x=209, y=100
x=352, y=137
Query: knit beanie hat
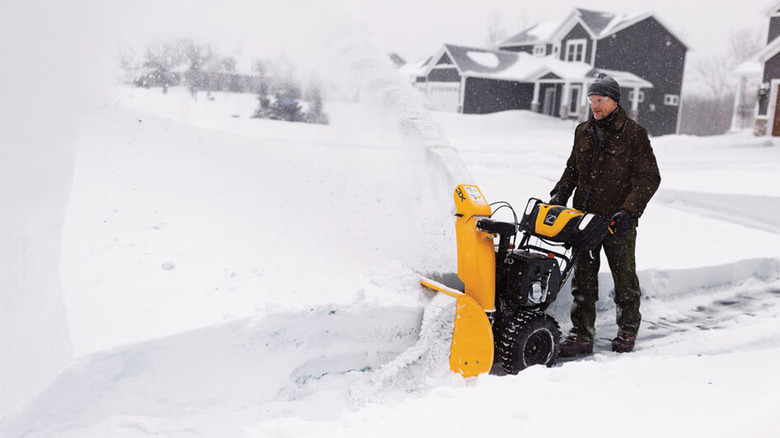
x=605, y=86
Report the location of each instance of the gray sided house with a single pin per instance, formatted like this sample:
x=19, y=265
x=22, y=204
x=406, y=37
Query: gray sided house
x=768, y=114
x=475, y=81
x=639, y=45
x=478, y=81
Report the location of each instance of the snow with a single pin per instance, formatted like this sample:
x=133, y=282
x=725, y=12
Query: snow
x=38, y=127
x=240, y=277
x=544, y=31
x=486, y=59
x=227, y=276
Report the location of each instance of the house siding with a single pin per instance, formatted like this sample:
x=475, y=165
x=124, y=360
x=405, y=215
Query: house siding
x=771, y=71
x=444, y=75
x=483, y=96
x=774, y=29
x=772, y=68
x=578, y=32
x=648, y=50
x=526, y=49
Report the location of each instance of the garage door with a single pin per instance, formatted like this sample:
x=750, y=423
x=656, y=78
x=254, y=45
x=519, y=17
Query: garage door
x=444, y=96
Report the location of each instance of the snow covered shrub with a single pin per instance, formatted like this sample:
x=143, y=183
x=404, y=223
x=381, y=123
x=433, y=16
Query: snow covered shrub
x=287, y=106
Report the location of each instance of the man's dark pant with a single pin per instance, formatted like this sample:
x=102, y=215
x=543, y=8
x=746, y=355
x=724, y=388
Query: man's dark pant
x=619, y=248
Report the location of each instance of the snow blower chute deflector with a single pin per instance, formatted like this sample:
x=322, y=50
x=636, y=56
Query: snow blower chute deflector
x=506, y=288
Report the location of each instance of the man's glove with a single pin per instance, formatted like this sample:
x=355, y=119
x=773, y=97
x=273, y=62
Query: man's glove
x=558, y=199
x=622, y=221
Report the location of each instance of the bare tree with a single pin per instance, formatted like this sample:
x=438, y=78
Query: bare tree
x=744, y=43
x=712, y=72
x=710, y=113
x=495, y=28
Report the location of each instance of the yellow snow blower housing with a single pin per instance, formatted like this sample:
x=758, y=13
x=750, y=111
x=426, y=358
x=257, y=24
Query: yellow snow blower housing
x=514, y=284
x=471, y=353
x=476, y=253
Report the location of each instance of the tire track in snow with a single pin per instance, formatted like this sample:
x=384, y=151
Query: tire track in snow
x=759, y=212
x=688, y=312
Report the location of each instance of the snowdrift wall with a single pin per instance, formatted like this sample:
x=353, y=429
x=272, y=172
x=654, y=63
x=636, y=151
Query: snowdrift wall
x=37, y=82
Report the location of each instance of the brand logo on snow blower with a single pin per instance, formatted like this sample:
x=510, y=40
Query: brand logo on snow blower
x=460, y=194
x=550, y=219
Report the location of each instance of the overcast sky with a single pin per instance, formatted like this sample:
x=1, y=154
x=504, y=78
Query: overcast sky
x=416, y=28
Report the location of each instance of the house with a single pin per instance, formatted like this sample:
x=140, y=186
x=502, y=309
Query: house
x=768, y=116
x=547, y=68
x=474, y=80
x=639, y=44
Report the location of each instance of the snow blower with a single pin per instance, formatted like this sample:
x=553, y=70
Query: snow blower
x=503, y=288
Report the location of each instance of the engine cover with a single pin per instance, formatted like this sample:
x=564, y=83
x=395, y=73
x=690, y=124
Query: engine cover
x=530, y=279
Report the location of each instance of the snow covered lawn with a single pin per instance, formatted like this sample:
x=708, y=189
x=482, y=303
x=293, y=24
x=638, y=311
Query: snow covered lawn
x=227, y=276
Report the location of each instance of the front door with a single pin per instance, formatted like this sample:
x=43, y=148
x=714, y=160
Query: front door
x=549, y=101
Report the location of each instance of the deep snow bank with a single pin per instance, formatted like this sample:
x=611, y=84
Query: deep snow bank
x=342, y=363
x=279, y=358
x=39, y=133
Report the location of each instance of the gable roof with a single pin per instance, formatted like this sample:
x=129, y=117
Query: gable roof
x=596, y=21
x=537, y=34
x=524, y=67
x=415, y=68
x=476, y=60
x=599, y=24
x=624, y=78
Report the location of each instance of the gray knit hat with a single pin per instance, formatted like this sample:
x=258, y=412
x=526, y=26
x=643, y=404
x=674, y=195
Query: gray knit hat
x=605, y=86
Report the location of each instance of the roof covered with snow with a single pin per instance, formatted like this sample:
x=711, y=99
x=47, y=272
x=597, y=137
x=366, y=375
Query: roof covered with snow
x=624, y=79
x=481, y=61
x=599, y=24
x=536, y=34
x=596, y=21
x=415, y=68
x=524, y=67
x=750, y=68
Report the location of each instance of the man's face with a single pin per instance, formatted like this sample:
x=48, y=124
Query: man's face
x=601, y=106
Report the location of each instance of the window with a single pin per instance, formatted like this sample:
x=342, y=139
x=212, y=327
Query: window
x=632, y=97
x=672, y=100
x=540, y=50
x=574, y=100
x=575, y=50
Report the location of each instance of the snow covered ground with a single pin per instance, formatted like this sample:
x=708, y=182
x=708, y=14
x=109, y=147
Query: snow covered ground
x=226, y=276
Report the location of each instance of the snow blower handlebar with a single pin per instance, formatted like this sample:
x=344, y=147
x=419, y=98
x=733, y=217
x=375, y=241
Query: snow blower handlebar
x=505, y=230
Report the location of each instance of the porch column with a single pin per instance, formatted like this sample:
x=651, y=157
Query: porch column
x=634, y=114
x=736, y=121
x=535, y=102
x=565, y=100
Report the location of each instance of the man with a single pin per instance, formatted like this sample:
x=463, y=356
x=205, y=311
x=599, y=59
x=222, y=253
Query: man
x=615, y=173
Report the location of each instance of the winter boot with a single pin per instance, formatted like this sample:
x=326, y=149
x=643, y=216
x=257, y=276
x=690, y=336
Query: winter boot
x=575, y=346
x=623, y=343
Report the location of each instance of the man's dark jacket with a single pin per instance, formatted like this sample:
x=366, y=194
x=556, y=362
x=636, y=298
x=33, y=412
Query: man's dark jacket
x=611, y=172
